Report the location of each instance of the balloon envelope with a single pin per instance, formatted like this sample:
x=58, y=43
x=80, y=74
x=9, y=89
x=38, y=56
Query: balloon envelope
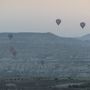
x=58, y=21
x=10, y=36
x=13, y=51
x=82, y=24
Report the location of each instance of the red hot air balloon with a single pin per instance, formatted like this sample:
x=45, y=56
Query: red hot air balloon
x=58, y=21
x=82, y=24
x=13, y=51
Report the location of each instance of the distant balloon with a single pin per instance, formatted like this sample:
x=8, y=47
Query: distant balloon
x=82, y=24
x=10, y=36
x=58, y=21
x=13, y=51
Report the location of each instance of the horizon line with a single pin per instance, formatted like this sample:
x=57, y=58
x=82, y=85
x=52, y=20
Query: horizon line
x=43, y=33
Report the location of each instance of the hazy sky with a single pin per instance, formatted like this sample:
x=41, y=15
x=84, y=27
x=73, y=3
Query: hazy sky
x=40, y=16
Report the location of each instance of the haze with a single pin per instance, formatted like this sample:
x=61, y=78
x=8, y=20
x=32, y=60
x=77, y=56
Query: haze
x=40, y=16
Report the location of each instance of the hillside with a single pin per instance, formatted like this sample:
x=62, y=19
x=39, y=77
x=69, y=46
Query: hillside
x=43, y=54
x=39, y=39
x=85, y=37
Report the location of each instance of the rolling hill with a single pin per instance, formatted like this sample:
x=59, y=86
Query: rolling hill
x=43, y=54
x=85, y=37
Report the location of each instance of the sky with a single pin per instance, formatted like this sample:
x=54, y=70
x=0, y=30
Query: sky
x=41, y=15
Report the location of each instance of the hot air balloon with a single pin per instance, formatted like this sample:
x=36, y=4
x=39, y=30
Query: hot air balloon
x=82, y=24
x=13, y=51
x=58, y=21
x=10, y=36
